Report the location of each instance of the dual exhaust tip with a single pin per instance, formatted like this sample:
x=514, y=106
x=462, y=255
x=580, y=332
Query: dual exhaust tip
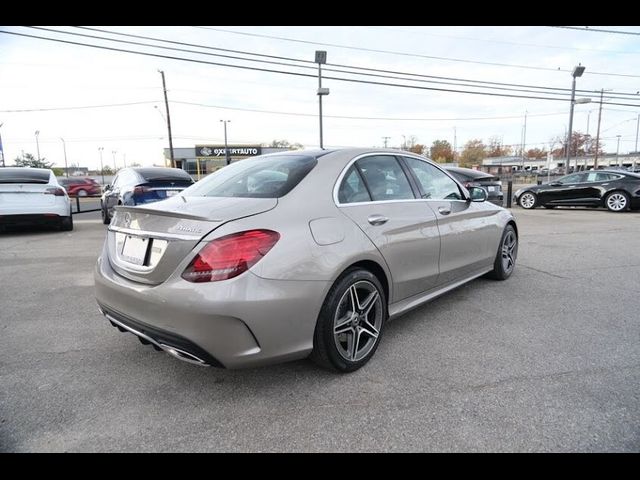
x=147, y=340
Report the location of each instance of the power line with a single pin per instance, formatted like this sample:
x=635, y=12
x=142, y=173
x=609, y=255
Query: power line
x=244, y=67
x=599, y=30
x=391, y=52
x=457, y=81
x=75, y=108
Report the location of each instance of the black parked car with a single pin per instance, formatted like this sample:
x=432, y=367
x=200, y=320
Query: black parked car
x=475, y=178
x=137, y=186
x=614, y=189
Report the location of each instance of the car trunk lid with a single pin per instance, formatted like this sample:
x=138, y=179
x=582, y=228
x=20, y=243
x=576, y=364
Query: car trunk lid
x=28, y=194
x=146, y=243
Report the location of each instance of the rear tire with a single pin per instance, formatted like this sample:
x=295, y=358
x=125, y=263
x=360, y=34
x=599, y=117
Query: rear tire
x=66, y=223
x=505, y=262
x=105, y=215
x=528, y=200
x=617, y=201
x=350, y=322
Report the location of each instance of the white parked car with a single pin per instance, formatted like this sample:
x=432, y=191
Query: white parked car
x=33, y=196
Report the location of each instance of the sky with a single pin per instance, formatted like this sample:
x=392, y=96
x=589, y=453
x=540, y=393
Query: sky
x=52, y=79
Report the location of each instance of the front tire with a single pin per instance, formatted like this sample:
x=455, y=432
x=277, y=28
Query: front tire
x=528, y=200
x=617, y=202
x=350, y=323
x=505, y=261
x=105, y=215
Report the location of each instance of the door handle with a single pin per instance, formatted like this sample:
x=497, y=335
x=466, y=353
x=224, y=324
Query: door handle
x=444, y=210
x=377, y=219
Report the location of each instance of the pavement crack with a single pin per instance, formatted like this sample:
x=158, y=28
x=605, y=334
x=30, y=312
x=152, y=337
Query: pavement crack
x=542, y=271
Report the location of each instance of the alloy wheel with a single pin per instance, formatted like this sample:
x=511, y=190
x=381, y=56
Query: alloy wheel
x=509, y=251
x=357, y=321
x=527, y=200
x=616, y=202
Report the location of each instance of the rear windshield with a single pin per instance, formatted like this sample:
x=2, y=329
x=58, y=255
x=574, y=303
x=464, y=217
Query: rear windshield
x=164, y=174
x=23, y=175
x=258, y=177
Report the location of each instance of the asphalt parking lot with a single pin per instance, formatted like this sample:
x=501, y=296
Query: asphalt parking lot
x=547, y=361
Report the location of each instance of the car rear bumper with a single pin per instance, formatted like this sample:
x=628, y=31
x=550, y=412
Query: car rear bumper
x=241, y=322
x=30, y=219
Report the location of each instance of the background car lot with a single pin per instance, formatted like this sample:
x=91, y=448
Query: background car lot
x=552, y=363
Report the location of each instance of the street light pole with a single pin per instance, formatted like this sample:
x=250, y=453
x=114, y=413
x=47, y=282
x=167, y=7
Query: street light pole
x=64, y=148
x=38, y=144
x=595, y=162
x=321, y=58
x=618, y=151
x=637, y=127
x=2, y=148
x=115, y=169
x=100, y=149
x=577, y=72
x=226, y=147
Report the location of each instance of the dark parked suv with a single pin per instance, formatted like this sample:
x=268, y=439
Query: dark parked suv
x=80, y=187
x=476, y=178
x=137, y=186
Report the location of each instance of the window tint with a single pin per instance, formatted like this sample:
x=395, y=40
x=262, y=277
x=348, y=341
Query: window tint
x=385, y=178
x=575, y=178
x=258, y=177
x=435, y=183
x=24, y=175
x=352, y=189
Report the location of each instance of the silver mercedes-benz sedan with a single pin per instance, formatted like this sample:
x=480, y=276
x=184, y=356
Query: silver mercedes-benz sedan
x=297, y=254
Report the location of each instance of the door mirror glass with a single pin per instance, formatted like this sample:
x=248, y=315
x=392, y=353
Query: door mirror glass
x=478, y=194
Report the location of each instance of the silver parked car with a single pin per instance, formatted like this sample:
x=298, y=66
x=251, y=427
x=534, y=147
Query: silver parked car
x=297, y=254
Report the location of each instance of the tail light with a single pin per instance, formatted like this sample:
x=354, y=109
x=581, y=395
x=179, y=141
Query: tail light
x=140, y=189
x=231, y=255
x=57, y=191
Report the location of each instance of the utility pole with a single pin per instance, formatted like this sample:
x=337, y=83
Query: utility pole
x=595, y=162
x=100, y=149
x=386, y=139
x=226, y=147
x=38, y=144
x=166, y=103
x=124, y=159
x=618, y=151
x=524, y=138
x=2, y=148
x=64, y=147
x=637, y=127
x=113, y=152
x=455, y=143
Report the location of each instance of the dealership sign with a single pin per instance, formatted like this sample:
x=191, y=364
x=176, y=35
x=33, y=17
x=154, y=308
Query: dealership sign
x=212, y=151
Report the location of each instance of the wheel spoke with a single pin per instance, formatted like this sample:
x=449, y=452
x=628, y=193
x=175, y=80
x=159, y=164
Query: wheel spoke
x=355, y=341
x=344, y=324
x=353, y=294
x=369, y=329
x=369, y=302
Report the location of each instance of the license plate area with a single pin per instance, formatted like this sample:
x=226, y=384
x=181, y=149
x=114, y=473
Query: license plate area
x=171, y=193
x=492, y=189
x=134, y=249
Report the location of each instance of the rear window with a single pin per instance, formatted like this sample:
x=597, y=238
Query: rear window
x=258, y=177
x=164, y=174
x=24, y=175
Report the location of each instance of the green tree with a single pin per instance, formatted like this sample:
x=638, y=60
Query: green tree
x=441, y=151
x=58, y=172
x=473, y=154
x=28, y=160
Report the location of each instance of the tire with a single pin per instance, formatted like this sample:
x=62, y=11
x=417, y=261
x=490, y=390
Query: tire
x=528, y=200
x=503, y=266
x=66, y=223
x=105, y=215
x=617, y=201
x=81, y=193
x=338, y=351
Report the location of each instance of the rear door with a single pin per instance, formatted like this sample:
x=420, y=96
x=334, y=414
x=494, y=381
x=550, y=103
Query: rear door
x=563, y=191
x=377, y=195
x=468, y=231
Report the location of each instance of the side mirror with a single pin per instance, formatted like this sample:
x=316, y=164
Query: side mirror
x=478, y=194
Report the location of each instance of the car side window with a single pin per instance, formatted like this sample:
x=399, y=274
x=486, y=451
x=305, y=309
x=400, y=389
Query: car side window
x=575, y=178
x=385, y=178
x=595, y=177
x=352, y=188
x=436, y=184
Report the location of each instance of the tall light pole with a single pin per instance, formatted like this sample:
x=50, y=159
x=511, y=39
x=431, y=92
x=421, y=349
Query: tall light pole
x=100, y=149
x=64, y=148
x=226, y=147
x=618, y=151
x=166, y=104
x=38, y=144
x=385, y=139
x=595, y=162
x=637, y=127
x=113, y=152
x=577, y=72
x=321, y=58
x=124, y=160
x=404, y=142
x=2, y=148
x=524, y=138
x=455, y=140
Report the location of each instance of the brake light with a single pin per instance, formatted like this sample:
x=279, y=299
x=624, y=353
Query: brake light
x=57, y=191
x=229, y=256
